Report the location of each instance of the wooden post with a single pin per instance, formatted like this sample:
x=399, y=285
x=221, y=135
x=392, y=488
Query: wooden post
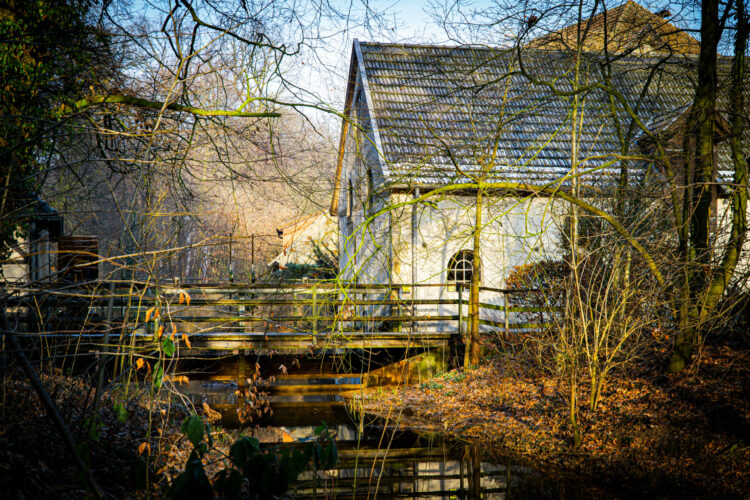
x=241, y=376
x=476, y=474
x=399, y=309
x=241, y=311
x=505, y=307
x=252, y=258
x=460, y=306
x=454, y=345
x=314, y=310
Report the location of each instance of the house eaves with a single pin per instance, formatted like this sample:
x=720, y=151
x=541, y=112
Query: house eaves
x=357, y=74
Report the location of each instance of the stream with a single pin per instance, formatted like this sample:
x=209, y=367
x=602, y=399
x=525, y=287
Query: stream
x=375, y=461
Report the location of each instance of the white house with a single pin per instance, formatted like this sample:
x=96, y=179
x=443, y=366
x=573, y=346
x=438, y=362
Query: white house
x=422, y=120
x=302, y=238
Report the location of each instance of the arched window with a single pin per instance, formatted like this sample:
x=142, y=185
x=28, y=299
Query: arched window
x=461, y=267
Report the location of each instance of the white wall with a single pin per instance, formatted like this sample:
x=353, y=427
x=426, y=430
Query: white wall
x=15, y=269
x=514, y=232
x=723, y=223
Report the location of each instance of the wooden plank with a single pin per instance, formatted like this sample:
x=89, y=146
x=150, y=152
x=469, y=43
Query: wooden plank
x=288, y=341
x=230, y=319
x=501, y=307
x=310, y=302
x=516, y=326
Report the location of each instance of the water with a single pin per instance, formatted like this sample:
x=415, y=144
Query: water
x=374, y=461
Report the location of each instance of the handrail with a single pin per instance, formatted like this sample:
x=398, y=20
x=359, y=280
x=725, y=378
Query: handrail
x=322, y=307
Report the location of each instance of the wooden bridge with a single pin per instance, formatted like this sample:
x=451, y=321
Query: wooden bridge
x=259, y=317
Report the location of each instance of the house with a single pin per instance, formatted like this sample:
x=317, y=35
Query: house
x=33, y=257
x=306, y=240
x=43, y=254
x=421, y=121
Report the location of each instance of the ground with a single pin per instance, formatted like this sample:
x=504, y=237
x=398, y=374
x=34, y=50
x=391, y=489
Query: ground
x=662, y=436
x=34, y=462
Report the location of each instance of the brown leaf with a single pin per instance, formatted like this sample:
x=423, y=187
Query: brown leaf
x=144, y=447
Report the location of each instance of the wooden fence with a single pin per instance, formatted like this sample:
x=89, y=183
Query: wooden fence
x=263, y=316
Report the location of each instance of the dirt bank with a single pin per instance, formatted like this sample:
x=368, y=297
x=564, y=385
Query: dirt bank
x=664, y=436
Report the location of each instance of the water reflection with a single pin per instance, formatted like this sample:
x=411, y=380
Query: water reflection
x=378, y=463
x=375, y=461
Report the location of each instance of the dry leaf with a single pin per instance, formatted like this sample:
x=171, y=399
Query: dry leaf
x=149, y=312
x=187, y=341
x=144, y=447
x=282, y=369
x=139, y=363
x=160, y=332
x=187, y=298
x=182, y=297
x=286, y=437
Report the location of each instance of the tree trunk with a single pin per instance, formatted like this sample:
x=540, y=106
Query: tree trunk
x=701, y=170
x=474, y=351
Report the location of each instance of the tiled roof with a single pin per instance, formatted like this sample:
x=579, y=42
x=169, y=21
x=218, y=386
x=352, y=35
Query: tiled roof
x=435, y=107
x=629, y=28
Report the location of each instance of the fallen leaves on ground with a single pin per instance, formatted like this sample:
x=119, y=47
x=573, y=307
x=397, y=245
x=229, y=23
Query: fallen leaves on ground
x=34, y=462
x=657, y=436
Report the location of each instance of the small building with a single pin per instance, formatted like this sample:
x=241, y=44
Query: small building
x=44, y=255
x=33, y=258
x=306, y=240
x=422, y=121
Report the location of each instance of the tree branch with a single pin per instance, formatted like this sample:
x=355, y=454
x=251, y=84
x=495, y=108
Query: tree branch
x=159, y=105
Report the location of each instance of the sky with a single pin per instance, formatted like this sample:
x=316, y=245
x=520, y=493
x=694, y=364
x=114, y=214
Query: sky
x=325, y=72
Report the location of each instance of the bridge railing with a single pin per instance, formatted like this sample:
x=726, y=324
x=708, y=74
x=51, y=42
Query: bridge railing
x=119, y=311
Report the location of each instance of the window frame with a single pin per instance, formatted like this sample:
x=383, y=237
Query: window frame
x=458, y=264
